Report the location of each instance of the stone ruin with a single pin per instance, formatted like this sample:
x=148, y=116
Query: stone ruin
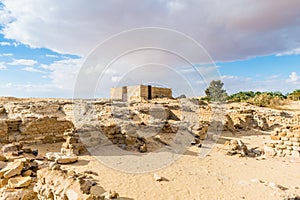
x=33, y=122
x=284, y=142
x=25, y=176
x=128, y=125
x=72, y=145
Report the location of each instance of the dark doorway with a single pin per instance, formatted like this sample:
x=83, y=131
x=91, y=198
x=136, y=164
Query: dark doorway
x=149, y=92
x=124, y=93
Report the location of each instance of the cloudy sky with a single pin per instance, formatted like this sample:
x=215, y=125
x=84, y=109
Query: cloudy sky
x=48, y=48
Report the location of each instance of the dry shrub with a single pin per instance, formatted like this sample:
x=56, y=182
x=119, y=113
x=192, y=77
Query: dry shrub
x=266, y=100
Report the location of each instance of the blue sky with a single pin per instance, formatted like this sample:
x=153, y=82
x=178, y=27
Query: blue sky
x=43, y=45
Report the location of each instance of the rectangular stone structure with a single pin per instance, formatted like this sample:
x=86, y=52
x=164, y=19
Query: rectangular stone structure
x=127, y=93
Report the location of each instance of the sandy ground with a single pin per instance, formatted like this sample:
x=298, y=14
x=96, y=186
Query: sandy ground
x=217, y=176
x=293, y=106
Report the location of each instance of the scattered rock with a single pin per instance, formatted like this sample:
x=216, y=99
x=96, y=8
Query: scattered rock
x=2, y=164
x=276, y=186
x=157, y=177
x=111, y=195
x=35, y=152
x=14, y=147
x=62, y=184
x=12, y=169
x=2, y=157
x=90, y=172
x=54, y=166
x=143, y=148
x=61, y=158
x=237, y=147
x=19, y=182
x=27, y=173
x=27, y=150
x=73, y=144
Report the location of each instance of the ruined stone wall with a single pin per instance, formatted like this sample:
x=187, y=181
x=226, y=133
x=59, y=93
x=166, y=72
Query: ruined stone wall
x=161, y=92
x=284, y=141
x=140, y=91
x=144, y=91
x=33, y=122
x=116, y=93
x=133, y=91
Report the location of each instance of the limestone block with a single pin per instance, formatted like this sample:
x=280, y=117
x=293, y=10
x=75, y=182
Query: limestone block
x=19, y=182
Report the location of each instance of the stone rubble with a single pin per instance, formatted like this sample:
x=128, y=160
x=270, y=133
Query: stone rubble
x=237, y=147
x=30, y=179
x=73, y=144
x=141, y=126
x=23, y=176
x=284, y=142
x=61, y=158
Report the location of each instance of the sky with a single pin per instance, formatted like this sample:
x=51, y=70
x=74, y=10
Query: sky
x=54, y=48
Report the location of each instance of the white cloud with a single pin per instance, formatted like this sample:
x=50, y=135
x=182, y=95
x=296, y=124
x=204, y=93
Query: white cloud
x=6, y=54
x=234, y=84
x=275, y=76
x=5, y=44
x=51, y=56
x=116, y=79
x=31, y=90
x=288, y=53
x=26, y=62
x=32, y=69
x=2, y=65
x=293, y=78
x=76, y=27
x=8, y=44
x=63, y=73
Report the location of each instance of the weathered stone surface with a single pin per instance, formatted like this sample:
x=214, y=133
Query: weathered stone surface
x=27, y=173
x=12, y=169
x=14, y=147
x=19, y=182
x=73, y=143
x=269, y=151
x=111, y=195
x=2, y=164
x=17, y=194
x=2, y=157
x=61, y=158
x=59, y=184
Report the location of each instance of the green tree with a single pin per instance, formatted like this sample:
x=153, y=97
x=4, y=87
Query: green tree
x=241, y=96
x=183, y=96
x=295, y=95
x=215, y=91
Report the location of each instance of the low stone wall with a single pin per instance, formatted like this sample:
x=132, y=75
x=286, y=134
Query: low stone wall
x=285, y=142
x=33, y=121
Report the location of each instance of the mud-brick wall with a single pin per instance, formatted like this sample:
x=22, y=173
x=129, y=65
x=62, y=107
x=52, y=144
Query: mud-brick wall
x=161, y=92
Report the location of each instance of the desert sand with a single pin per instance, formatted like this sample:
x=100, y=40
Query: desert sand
x=217, y=176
